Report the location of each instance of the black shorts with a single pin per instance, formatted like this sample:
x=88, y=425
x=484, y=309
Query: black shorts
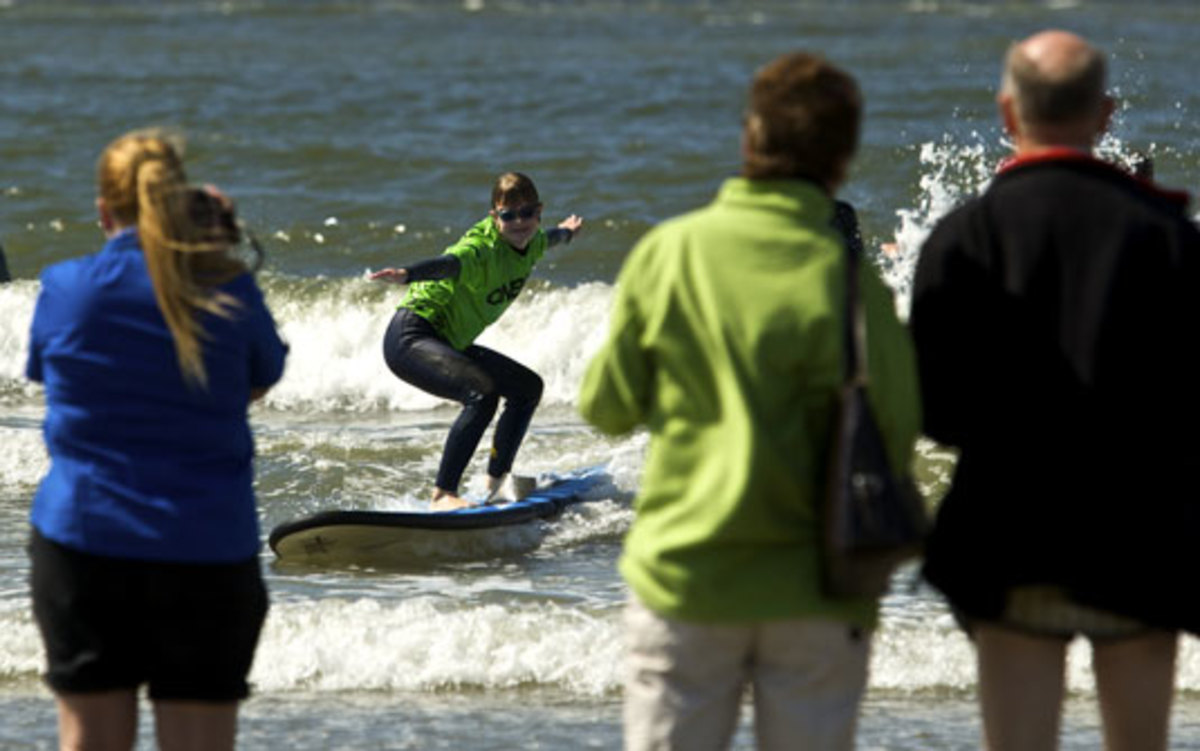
x=187, y=630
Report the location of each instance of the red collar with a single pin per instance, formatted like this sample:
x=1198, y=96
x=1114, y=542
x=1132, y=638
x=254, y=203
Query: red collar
x=1065, y=154
x=1052, y=154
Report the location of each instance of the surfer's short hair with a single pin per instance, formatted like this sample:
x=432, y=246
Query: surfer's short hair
x=803, y=120
x=514, y=189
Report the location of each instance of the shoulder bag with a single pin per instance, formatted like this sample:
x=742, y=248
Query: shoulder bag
x=873, y=518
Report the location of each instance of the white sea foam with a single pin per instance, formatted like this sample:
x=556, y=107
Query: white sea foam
x=336, y=337
x=555, y=332
x=608, y=519
x=935, y=654
x=376, y=463
x=23, y=461
x=335, y=329
x=951, y=172
x=427, y=644
x=16, y=312
x=20, y=646
x=909, y=655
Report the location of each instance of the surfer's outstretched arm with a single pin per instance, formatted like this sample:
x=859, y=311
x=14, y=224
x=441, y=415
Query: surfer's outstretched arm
x=442, y=267
x=565, y=231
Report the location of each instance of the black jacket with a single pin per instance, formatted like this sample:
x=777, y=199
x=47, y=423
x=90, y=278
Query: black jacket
x=1055, y=319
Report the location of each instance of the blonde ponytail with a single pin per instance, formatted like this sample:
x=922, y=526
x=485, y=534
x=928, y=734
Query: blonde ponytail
x=142, y=182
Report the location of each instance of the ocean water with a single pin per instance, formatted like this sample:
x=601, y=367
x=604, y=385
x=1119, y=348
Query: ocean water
x=356, y=135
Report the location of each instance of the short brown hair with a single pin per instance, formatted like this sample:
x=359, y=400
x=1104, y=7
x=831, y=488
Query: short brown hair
x=803, y=119
x=514, y=189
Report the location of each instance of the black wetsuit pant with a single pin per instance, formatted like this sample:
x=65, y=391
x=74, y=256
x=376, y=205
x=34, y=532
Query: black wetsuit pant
x=475, y=377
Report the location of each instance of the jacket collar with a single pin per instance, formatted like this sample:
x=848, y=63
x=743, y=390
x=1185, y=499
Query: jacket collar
x=125, y=239
x=796, y=196
x=1066, y=155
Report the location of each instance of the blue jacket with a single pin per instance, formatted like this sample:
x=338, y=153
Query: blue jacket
x=142, y=465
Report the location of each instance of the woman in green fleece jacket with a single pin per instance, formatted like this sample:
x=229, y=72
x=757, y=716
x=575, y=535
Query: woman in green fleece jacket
x=725, y=343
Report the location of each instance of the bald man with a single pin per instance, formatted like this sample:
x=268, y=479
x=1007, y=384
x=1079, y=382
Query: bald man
x=1053, y=317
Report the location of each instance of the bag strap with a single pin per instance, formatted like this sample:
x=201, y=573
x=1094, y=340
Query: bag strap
x=854, y=324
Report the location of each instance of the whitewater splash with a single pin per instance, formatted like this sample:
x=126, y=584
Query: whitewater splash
x=336, y=329
x=432, y=644
x=16, y=313
x=952, y=172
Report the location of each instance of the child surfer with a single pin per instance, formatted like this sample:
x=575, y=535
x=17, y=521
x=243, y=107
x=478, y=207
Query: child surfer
x=452, y=299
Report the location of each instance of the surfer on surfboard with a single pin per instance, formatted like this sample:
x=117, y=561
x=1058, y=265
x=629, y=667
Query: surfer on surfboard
x=450, y=301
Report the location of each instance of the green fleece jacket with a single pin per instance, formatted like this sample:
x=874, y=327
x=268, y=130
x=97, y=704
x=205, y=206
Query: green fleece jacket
x=726, y=343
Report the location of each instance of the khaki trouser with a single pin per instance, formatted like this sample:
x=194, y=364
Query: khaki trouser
x=684, y=682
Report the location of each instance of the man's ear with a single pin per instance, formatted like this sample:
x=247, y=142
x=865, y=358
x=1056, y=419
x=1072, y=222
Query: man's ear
x=1008, y=114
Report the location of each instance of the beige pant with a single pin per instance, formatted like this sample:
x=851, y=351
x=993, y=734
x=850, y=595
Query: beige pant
x=684, y=682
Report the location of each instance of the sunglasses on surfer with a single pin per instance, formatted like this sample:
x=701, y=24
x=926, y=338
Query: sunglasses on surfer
x=511, y=214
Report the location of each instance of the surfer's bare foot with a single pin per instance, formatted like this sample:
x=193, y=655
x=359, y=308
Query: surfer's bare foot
x=446, y=501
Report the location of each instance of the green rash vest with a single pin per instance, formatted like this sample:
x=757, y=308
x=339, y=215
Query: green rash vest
x=492, y=275
x=726, y=343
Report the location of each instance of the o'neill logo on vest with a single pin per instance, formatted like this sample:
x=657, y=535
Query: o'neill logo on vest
x=506, y=292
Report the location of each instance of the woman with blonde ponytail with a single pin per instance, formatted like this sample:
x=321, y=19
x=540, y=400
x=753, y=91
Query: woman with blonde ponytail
x=145, y=533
